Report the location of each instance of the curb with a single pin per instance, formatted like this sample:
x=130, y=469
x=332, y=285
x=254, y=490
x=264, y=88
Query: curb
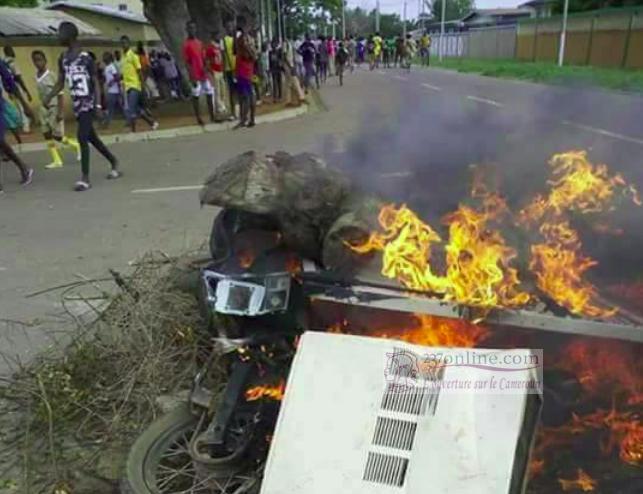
x=191, y=130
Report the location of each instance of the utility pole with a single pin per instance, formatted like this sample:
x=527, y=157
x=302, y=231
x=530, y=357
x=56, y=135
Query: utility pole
x=377, y=16
x=444, y=10
x=279, y=31
x=269, y=19
x=563, y=35
x=404, y=21
x=343, y=19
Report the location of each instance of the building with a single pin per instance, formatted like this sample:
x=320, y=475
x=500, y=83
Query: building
x=26, y=30
x=111, y=22
x=135, y=6
x=495, y=17
x=540, y=9
x=478, y=18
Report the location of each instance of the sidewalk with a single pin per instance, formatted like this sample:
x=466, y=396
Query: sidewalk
x=175, y=119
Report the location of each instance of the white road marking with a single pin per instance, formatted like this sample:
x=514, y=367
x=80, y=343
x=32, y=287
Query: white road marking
x=400, y=78
x=604, y=132
x=167, y=189
x=429, y=86
x=485, y=101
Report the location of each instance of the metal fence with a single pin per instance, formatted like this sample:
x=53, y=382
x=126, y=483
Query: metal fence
x=491, y=42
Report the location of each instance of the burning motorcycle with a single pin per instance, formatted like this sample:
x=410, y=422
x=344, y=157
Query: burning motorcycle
x=217, y=441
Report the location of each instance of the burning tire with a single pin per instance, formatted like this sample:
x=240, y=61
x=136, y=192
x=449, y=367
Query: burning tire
x=166, y=459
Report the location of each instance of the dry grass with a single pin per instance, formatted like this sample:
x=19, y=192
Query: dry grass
x=67, y=418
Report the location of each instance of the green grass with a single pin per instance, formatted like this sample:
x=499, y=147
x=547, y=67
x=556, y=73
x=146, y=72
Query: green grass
x=618, y=79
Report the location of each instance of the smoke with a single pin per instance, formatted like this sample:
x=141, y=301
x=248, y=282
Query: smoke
x=421, y=153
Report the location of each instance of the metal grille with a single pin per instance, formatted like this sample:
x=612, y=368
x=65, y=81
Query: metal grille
x=394, y=433
x=386, y=469
x=413, y=401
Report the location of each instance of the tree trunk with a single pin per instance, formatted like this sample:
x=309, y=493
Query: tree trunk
x=169, y=17
x=208, y=15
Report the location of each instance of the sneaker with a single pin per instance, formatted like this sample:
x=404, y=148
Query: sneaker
x=114, y=174
x=82, y=186
x=54, y=165
x=155, y=125
x=28, y=179
x=251, y=124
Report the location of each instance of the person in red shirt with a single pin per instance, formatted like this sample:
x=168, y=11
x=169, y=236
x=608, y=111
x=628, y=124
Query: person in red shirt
x=194, y=58
x=214, y=64
x=246, y=54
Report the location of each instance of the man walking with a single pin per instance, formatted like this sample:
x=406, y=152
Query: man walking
x=193, y=55
x=133, y=86
x=78, y=69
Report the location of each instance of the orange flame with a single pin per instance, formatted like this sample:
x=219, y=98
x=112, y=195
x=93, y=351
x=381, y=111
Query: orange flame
x=578, y=185
x=477, y=258
x=272, y=392
x=583, y=483
x=559, y=268
x=426, y=330
x=246, y=258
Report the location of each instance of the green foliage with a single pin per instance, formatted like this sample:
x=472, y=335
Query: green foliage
x=359, y=22
x=18, y=3
x=455, y=9
x=618, y=79
x=584, y=5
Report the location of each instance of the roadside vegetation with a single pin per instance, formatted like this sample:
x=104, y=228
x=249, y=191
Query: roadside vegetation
x=550, y=73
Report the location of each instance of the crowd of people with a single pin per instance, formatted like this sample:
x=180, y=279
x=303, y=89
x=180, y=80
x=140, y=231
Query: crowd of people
x=231, y=70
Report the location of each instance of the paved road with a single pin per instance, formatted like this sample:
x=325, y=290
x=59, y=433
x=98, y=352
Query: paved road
x=410, y=135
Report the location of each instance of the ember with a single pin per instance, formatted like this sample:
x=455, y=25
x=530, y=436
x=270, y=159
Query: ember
x=246, y=258
x=272, y=392
x=583, y=483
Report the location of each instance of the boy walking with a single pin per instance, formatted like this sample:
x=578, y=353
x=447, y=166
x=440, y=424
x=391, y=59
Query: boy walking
x=77, y=68
x=52, y=120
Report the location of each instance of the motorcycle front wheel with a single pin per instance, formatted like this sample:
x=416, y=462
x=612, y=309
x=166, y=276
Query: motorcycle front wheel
x=160, y=462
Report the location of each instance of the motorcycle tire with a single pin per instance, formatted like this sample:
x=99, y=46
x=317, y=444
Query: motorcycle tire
x=144, y=456
x=147, y=452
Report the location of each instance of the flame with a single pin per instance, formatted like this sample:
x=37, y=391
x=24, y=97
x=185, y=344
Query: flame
x=477, y=257
x=246, y=258
x=582, y=483
x=425, y=330
x=604, y=367
x=536, y=468
x=272, y=392
x=477, y=260
x=293, y=264
x=578, y=185
x=559, y=267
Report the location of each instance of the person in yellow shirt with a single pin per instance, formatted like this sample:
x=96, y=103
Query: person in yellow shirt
x=133, y=86
x=425, y=48
x=230, y=65
x=377, y=40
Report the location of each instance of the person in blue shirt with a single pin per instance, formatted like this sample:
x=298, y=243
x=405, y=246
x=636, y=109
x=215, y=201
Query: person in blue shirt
x=10, y=86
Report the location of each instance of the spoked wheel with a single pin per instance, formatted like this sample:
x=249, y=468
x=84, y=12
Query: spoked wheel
x=168, y=459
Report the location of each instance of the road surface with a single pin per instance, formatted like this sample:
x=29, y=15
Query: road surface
x=411, y=135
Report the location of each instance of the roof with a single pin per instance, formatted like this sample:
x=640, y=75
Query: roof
x=497, y=12
x=38, y=22
x=100, y=10
x=536, y=3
